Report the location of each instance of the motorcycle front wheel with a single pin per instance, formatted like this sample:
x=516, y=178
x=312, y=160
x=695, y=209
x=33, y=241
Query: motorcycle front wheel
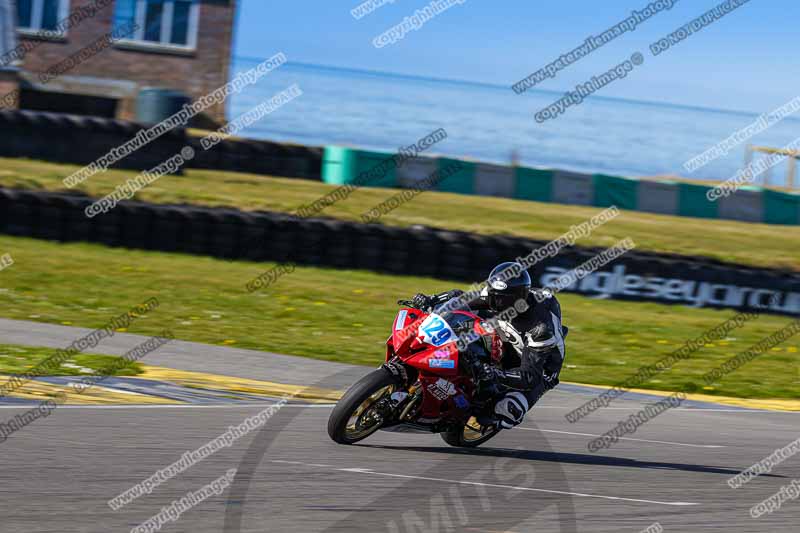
x=355, y=418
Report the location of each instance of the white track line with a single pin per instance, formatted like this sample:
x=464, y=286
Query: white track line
x=682, y=409
x=627, y=438
x=172, y=406
x=331, y=405
x=494, y=485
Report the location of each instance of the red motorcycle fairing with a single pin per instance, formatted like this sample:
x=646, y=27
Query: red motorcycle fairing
x=439, y=361
x=406, y=345
x=497, y=348
x=404, y=334
x=445, y=392
x=404, y=330
x=444, y=397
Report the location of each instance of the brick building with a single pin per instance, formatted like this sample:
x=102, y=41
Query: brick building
x=105, y=51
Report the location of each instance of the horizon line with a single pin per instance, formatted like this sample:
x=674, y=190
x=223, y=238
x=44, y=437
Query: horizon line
x=417, y=77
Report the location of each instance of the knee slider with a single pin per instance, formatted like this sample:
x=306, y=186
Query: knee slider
x=511, y=409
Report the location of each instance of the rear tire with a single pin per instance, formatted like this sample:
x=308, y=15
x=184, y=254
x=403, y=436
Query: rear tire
x=346, y=408
x=456, y=437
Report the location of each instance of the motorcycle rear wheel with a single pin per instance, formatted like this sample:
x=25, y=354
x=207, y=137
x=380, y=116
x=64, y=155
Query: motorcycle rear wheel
x=352, y=419
x=467, y=436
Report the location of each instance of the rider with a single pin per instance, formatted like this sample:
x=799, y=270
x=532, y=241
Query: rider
x=533, y=340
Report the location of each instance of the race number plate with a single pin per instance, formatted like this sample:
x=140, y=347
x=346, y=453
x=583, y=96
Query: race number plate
x=434, y=330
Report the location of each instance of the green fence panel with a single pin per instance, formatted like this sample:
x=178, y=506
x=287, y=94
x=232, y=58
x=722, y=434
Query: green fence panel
x=337, y=165
x=534, y=184
x=375, y=169
x=781, y=208
x=462, y=181
x=342, y=166
x=612, y=190
x=692, y=201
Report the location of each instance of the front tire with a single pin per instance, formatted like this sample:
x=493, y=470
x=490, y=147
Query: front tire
x=352, y=419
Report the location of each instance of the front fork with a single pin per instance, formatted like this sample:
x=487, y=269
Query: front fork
x=403, y=408
x=403, y=403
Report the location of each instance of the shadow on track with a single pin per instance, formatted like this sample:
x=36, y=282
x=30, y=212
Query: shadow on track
x=567, y=458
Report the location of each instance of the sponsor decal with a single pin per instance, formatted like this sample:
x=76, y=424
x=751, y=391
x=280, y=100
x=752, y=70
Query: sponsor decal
x=618, y=283
x=441, y=363
x=400, y=320
x=442, y=389
x=442, y=354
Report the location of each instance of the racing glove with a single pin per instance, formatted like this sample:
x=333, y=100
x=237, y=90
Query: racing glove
x=428, y=303
x=421, y=302
x=490, y=378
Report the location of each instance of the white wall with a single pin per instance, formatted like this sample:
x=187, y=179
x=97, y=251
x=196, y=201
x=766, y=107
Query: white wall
x=8, y=17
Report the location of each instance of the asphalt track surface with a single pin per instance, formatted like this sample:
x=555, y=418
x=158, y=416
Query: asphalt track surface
x=59, y=472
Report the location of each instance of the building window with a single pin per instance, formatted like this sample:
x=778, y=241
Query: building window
x=161, y=23
x=38, y=15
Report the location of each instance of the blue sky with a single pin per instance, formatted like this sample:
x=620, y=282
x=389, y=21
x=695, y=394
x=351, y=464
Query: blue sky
x=745, y=61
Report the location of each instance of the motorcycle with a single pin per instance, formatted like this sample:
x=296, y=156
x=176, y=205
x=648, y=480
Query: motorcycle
x=433, y=380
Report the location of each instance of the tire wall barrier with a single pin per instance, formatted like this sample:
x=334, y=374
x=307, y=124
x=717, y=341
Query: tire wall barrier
x=259, y=157
x=81, y=140
x=458, y=256
x=748, y=204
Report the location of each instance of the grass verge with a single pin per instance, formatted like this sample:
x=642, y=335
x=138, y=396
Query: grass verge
x=346, y=315
x=749, y=244
x=20, y=359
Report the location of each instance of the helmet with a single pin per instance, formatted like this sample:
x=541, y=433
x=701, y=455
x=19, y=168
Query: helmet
x=507, y=283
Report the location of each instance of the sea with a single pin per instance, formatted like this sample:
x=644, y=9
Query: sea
x=490, y=123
